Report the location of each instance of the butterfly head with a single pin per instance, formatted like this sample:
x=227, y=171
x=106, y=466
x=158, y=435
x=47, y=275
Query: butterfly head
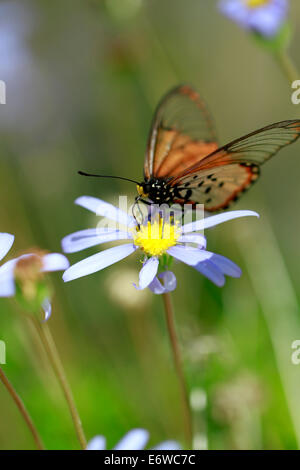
x=143, y=189
x=157, y=190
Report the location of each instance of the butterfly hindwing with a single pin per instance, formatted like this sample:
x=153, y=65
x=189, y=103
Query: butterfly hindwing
x=217, y=187
x=235, y=166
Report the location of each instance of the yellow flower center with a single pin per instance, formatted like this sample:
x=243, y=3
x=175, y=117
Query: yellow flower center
x=256, y=3
x=155, y=238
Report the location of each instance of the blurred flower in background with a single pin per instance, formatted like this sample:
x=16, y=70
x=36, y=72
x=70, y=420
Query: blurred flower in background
x=136, y=439
x=237, y=404
x=265, y=17
x=15, y=26
x=124, y=294
x=24, y=278
x=160, y=239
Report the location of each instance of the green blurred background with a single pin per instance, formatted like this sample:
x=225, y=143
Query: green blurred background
x=83, y=79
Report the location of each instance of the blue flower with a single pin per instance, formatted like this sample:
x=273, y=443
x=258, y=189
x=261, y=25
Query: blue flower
x=26, y=269
x=157, y=239
x=136, y=439
x=264, y=17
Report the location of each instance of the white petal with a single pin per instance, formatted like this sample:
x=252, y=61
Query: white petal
x=98, y=261
x=216, y=220
x=105, y=209
x=193, y=238
x=7, y=282
x=7, y=286
x=189, y=255
x=133, y=440
x=167, y=445
x=47, y=309
x=97, y=443
x=93, y=236
x=6, y=242
x=55, y=262
x=8, y=267
x=148, y=272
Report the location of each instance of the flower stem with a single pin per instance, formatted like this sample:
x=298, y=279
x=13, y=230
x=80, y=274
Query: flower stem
x=18, y=401
x=287, y=66
x=179, y=370
x=47, y=339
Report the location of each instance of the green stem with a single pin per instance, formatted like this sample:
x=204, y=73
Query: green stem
x=47, y=339
x=287, y=66
x=18, y=401
x=188, y=426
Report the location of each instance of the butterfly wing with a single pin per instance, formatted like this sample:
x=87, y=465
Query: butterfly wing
x=220, y=178
x=182, y=133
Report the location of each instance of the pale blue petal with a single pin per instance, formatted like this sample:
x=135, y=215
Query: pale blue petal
x=267, y=21
x=93, y=236
x=105, y=209
x=156, y=287
x=169, y=280
x=167, y=445
x=189, y=255
x=169, y=283
x=264, y=19
x=148, y=272
x=211, y=271
x=193, y=238
x=55, y=262
x=98, y=261
x=6, y=242
x=235, y=10
x=216, y=220
x=97, y=443
x=225, y=265
x=47, y=309
x=136, y=439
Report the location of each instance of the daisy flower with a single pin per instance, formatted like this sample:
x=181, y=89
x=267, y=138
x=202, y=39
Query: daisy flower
x=159, y=239
x=24, y=276
x=136, y=439
x=265, y=17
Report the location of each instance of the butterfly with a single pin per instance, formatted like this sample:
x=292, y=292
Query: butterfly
x=185, y=165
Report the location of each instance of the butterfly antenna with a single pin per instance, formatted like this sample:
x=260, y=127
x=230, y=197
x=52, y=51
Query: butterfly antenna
x=83, y=173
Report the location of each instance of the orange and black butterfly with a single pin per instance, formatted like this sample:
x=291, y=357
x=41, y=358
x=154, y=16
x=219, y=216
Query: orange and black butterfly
x=184, y=163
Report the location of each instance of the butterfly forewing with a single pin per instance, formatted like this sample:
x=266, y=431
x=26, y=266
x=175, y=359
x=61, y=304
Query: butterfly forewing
x=258, y=146
x=181, y=134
